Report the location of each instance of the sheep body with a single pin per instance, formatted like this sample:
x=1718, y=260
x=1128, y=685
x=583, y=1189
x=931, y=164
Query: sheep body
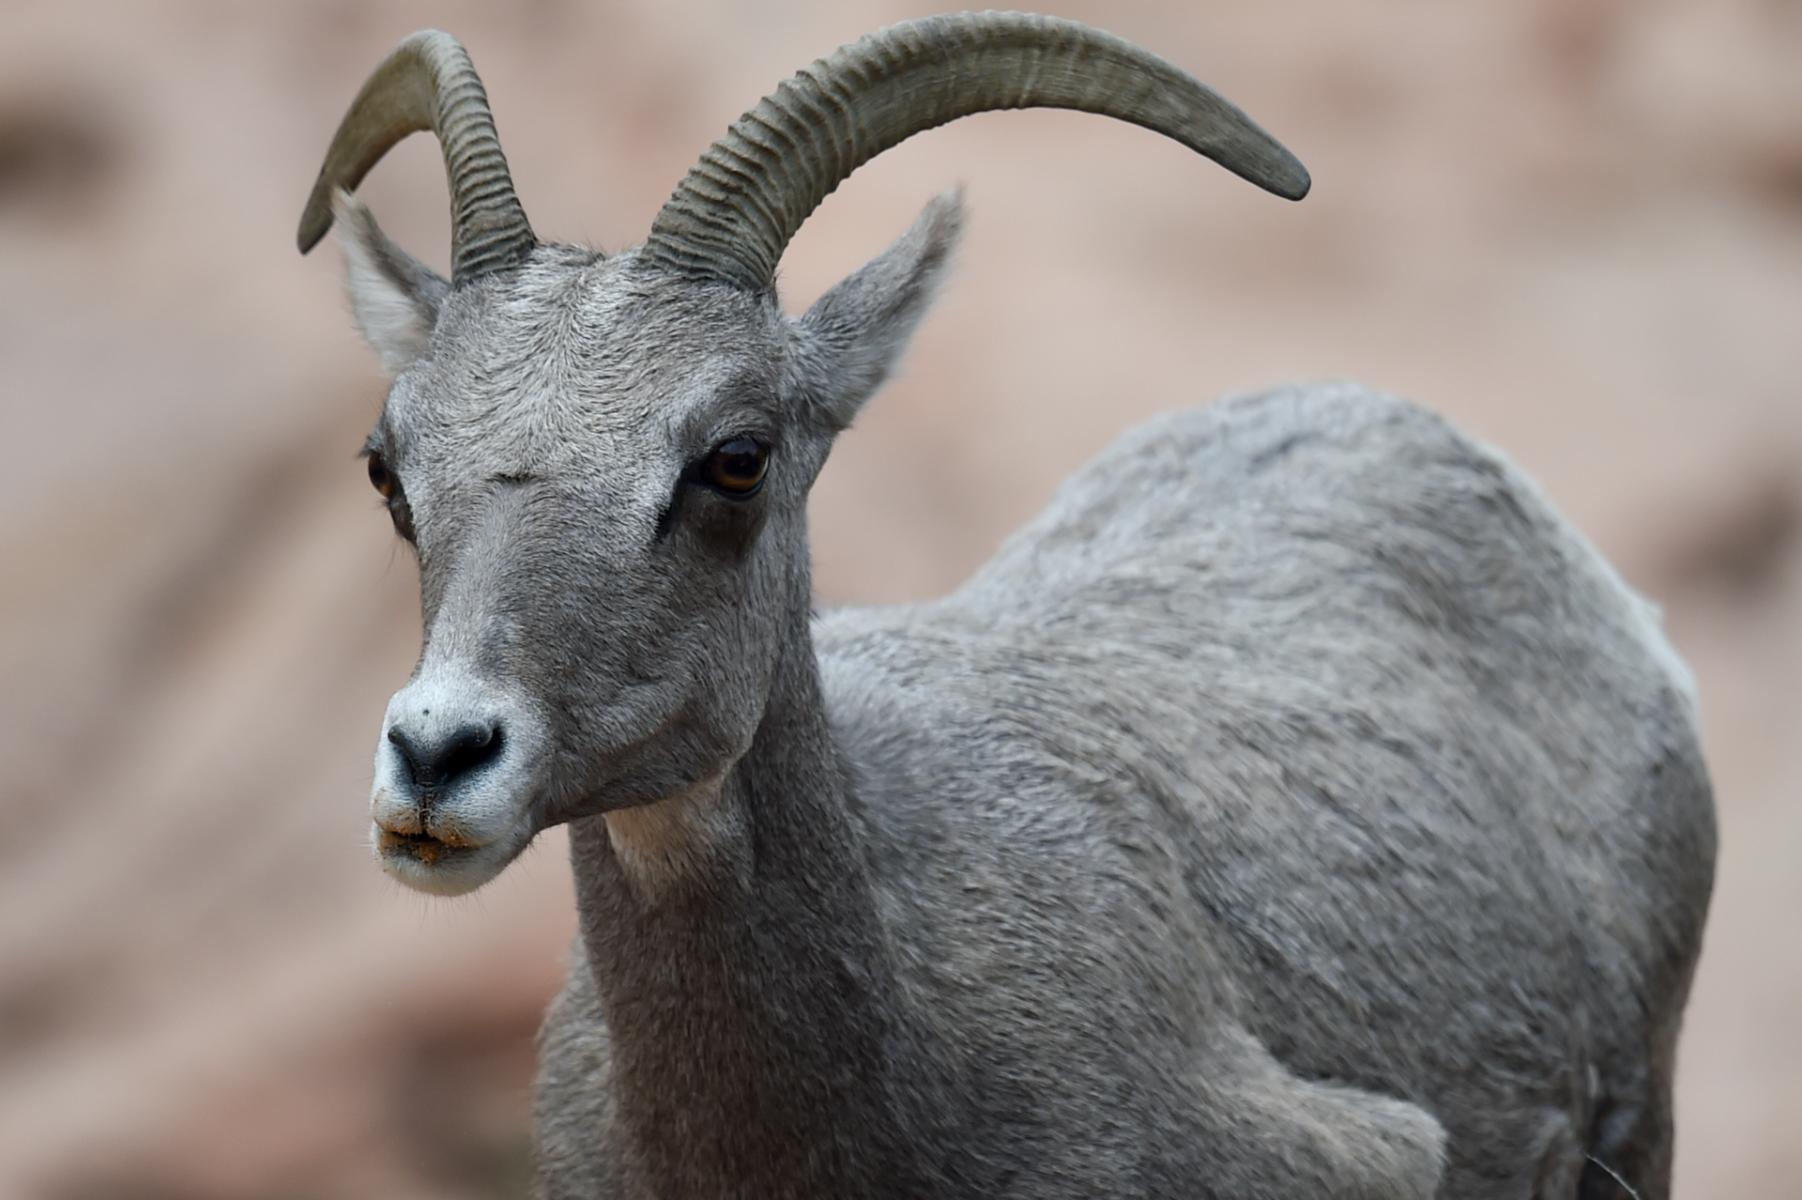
x=1298, y=806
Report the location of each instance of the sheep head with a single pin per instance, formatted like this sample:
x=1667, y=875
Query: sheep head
x=603, y=460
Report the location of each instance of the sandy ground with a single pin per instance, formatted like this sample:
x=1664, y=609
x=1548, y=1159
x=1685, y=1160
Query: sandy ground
x=1574, y=228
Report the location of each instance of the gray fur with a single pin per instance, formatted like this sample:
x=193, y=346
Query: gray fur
x=1297, y=808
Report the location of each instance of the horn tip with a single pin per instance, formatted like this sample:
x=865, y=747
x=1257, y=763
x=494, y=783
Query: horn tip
x=311, y=232
x=315, y=221
x=1288, y=178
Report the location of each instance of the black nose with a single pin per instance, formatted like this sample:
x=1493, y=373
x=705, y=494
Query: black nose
x=435, y=763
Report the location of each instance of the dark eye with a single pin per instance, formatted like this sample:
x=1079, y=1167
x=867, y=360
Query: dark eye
x=387, y=484
x=380, y=478
x=736, y=467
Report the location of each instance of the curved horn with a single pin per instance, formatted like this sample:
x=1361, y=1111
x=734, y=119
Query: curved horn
x=428, y=82
x=735, y=212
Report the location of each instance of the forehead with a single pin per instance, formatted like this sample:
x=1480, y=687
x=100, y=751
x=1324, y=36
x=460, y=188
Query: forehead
x=575, y=355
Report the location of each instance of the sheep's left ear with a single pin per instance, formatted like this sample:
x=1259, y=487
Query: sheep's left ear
x=853, y=335
x=393, y=296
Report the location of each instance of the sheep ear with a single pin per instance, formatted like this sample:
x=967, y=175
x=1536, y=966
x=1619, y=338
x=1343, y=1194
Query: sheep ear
x=393, y=296
x=856, y=332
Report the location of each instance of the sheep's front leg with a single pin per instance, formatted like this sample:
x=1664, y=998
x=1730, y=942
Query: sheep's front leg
x=1272, y=1134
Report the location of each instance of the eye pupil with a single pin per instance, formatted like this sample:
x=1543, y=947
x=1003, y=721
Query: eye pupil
x=737, y=467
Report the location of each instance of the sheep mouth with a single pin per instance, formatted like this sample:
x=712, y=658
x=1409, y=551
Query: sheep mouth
x=448, y=862
x=422, y=848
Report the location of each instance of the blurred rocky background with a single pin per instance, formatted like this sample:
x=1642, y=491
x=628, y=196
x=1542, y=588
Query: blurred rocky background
x=1575, y=226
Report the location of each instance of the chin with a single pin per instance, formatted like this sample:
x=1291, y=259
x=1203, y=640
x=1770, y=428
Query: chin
x=440, y=868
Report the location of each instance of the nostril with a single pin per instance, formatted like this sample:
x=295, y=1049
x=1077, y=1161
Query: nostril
x=408, y=754
x=469, y=748
x=434, y=763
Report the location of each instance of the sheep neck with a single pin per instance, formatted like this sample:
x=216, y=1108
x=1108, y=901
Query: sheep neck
x=748, y=987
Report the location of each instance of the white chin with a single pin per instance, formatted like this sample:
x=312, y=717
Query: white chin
x=430, y=866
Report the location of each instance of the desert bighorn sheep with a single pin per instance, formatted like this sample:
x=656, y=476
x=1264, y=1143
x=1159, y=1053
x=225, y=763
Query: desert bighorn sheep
x=1297, y=808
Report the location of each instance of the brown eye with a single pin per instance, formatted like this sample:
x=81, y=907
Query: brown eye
x=380, y=478
x=736, y=467
x=388, y=486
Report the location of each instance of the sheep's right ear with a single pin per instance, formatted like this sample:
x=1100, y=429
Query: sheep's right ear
x=393, y=296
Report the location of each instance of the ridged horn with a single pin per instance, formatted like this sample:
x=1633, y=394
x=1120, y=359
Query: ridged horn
x=734, y=213
x=428, y=82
